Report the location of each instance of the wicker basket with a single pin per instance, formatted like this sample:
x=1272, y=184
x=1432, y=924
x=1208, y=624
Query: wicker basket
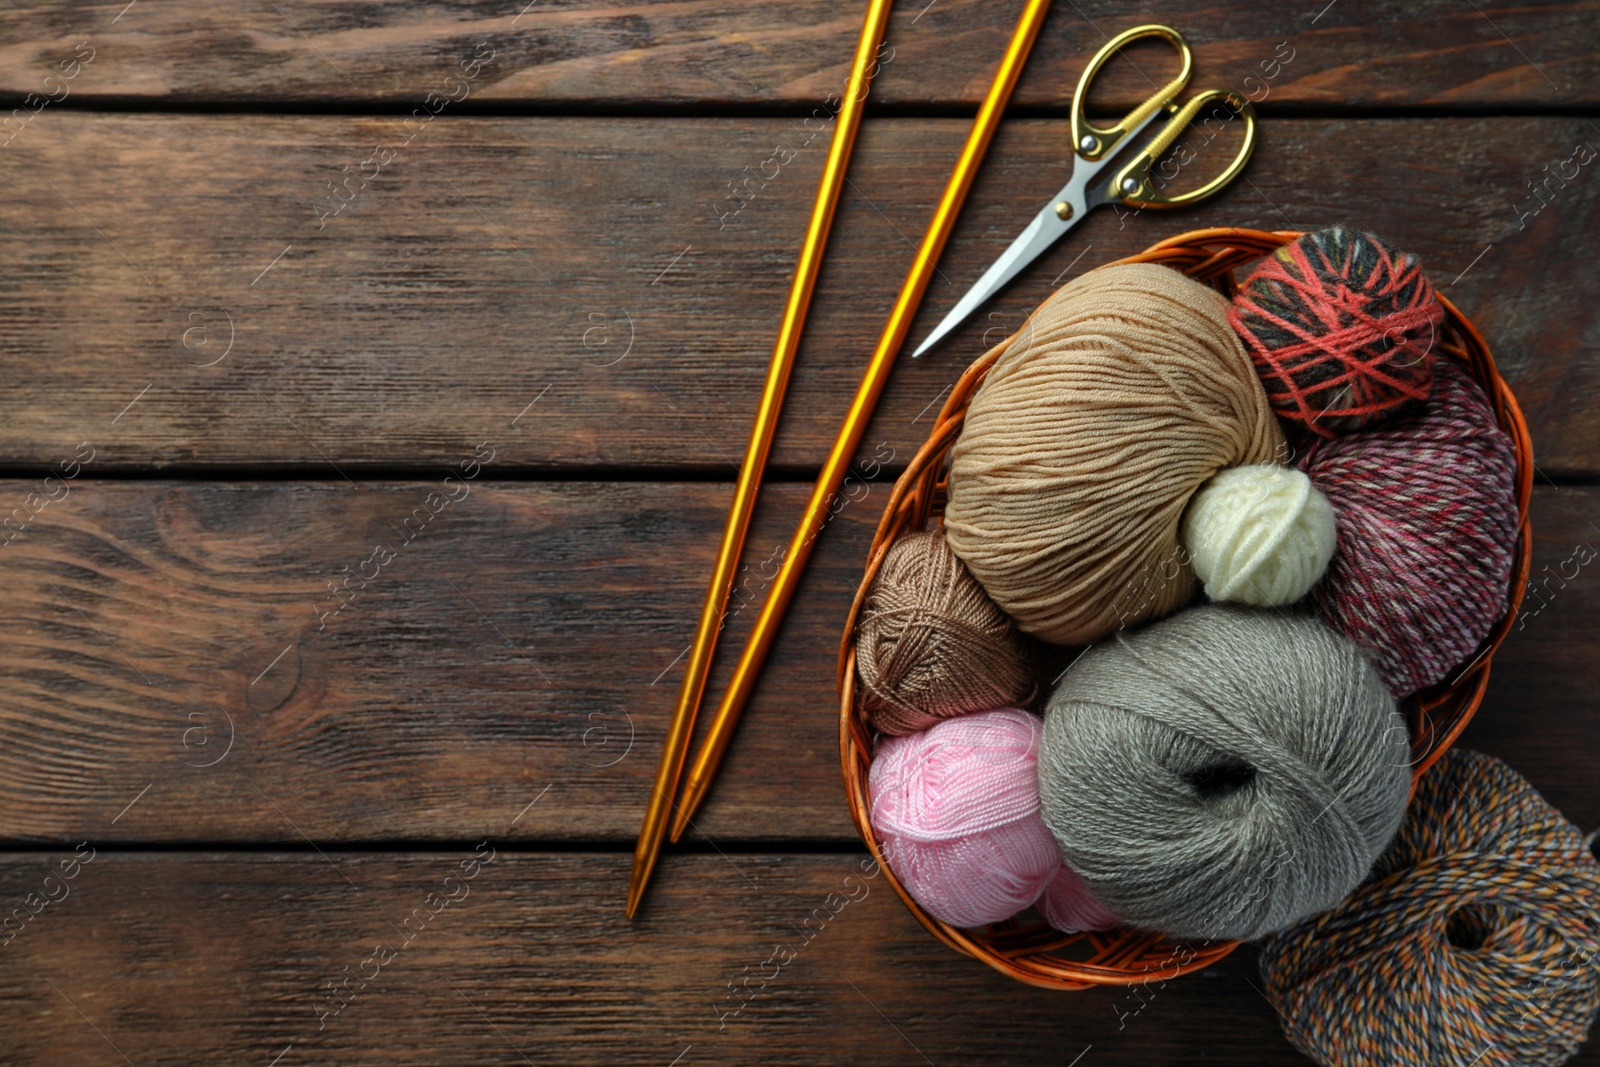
x=1030, y=951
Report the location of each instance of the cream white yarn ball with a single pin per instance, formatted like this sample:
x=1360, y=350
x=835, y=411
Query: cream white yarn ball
x=1259, y=535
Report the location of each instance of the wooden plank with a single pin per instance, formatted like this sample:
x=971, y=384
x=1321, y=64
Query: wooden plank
x=223, y=957
x=710, y=53
x=523, y=646
x=1550, y=664
x=514, y=663
x=588, y=282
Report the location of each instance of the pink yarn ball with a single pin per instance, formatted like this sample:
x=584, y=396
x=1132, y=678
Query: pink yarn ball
x=956, y=810
x=1068, y=905
x=1426, y=510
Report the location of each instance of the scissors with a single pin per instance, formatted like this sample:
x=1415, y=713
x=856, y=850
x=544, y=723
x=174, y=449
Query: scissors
x=1093, y=148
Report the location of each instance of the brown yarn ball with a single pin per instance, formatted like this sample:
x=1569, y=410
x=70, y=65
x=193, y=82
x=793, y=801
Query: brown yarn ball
x=1121, y=395
x=931, y=644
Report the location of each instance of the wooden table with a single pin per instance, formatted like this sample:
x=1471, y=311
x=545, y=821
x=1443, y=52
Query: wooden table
x=376, y=375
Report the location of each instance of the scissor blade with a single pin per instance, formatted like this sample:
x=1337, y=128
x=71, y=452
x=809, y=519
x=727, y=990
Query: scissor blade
x=1045, y=229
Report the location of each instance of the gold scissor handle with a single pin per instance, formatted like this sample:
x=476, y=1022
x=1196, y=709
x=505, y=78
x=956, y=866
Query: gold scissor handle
x=1134, y=185
x=1091, y=142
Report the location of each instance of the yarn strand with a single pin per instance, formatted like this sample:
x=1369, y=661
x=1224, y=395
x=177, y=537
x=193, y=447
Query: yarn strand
x=1223, y=773
x=931, y=644
x=1125, y=393
x=1341, y=329
x=1426, y=511
x=1476, y=941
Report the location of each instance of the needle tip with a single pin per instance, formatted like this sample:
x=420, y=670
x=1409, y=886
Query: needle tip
x=644, y=862
x=636, y=891
x=693, y=793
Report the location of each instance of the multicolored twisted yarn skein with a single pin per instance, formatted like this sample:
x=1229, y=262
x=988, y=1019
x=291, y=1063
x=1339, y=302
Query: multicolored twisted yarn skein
x=1476, y=941
x=1426, y=510
x=1341, y=329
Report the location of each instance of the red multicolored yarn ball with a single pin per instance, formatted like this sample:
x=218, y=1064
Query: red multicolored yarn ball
x=1341, y=329
x=1473, y=943
x=1425, y=509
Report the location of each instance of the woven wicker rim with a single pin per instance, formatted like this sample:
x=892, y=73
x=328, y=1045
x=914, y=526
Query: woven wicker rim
x=1031, y=952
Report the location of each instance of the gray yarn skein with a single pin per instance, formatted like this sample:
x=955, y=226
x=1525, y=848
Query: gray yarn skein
x=1223, y=773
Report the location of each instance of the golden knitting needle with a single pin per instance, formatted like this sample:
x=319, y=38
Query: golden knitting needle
x=648, y=848
x=855, y=421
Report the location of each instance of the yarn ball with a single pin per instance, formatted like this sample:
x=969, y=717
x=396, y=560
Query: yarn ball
x=1474, y=942
x=956, y=811
x=1341, y=328
x=1259, y=535
x=1223, y=773
x=931, y=644
x=1126, y=390
x=1067, y=905
x=1427, y=514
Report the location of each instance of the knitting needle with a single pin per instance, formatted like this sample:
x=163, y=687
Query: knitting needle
x=855, y=422
x=690, y=692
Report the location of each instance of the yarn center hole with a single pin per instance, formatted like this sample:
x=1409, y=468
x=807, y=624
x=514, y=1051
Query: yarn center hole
x=1220, y=779
x=1468, y=929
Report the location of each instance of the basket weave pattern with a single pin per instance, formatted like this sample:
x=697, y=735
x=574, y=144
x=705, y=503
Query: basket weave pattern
x=1035, y=953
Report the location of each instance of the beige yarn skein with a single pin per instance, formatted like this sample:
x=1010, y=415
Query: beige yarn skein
x=1121, y=396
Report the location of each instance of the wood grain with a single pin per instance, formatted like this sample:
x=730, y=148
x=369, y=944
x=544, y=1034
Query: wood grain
x=223, y=957
x=706, y=54
x=523, y=645
x=522, y=649
x=588, y=281
x=277, y=339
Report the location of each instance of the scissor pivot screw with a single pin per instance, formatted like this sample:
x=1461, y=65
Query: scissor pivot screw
x=1088, y=144
x=1130, y=185
x=1063, y=209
